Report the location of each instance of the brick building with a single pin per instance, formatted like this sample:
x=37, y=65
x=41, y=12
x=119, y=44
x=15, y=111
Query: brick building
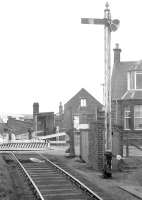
x=80, y=109
x=79, y=112
x=18, y=126
x=44, y=122
x=127, y=97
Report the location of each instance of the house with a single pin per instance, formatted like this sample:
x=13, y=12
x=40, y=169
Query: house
x=79, y=112
x=127, y=97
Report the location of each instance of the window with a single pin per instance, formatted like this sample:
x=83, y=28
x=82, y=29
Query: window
x=131, y=80
x=76, y=122
x=138, y=117
x=127, y=118
x=138, y=80
x=135, y=80
x=83, y=103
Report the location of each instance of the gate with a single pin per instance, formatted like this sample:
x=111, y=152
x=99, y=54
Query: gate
x=24, y=146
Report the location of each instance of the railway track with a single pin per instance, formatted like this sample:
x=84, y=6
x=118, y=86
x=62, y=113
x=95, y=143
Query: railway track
x=49, y=181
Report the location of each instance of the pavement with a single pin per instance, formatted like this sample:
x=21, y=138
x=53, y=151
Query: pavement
x=124, y=185
x=134, y=190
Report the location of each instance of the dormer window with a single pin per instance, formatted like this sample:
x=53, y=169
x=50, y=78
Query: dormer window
x=135, y=80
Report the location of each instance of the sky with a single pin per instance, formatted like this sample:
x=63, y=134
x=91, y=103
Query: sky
x=47, y=55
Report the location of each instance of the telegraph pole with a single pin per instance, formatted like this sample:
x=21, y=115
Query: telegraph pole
x=109, y=26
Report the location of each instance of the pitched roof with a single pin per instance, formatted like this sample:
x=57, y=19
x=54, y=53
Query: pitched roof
x=119, y=79
x=132, y=94
x=82, y=94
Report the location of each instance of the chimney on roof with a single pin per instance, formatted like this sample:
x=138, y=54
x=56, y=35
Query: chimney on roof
x=117, y=52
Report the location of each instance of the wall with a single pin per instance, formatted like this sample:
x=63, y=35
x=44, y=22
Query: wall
x=72, y=107
x=117, y=112
x=132, y=136
x=96, y=145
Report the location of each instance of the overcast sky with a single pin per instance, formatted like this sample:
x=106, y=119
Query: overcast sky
x=47, y=56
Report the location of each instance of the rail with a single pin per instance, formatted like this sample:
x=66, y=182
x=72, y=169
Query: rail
x=45, y=182
x=36, y=190
x=76, y=181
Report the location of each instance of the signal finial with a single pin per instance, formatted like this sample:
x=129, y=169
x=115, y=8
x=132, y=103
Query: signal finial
x=107, y=5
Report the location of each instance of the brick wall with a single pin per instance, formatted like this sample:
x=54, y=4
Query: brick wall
x=97, y=142
x=87, y=113
x=96, y=145
x=131, y=136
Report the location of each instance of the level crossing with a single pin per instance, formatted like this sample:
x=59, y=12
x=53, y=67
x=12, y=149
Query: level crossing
x=38, y=143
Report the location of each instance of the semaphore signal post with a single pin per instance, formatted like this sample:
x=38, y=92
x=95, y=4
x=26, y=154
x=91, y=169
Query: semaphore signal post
x=109, y=26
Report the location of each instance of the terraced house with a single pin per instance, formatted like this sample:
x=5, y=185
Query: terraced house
x=127, y=98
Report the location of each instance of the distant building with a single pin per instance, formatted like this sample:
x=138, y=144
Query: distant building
x=18, y=126
x=43, y=123
x=2, y=126
x=26, y=118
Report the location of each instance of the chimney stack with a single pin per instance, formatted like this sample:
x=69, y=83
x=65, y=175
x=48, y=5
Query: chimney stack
x=117, y=52
x=35, y=108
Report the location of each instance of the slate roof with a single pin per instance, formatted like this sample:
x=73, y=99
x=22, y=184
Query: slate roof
x=132, y=95
x=119, y=80
x=82, y=94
